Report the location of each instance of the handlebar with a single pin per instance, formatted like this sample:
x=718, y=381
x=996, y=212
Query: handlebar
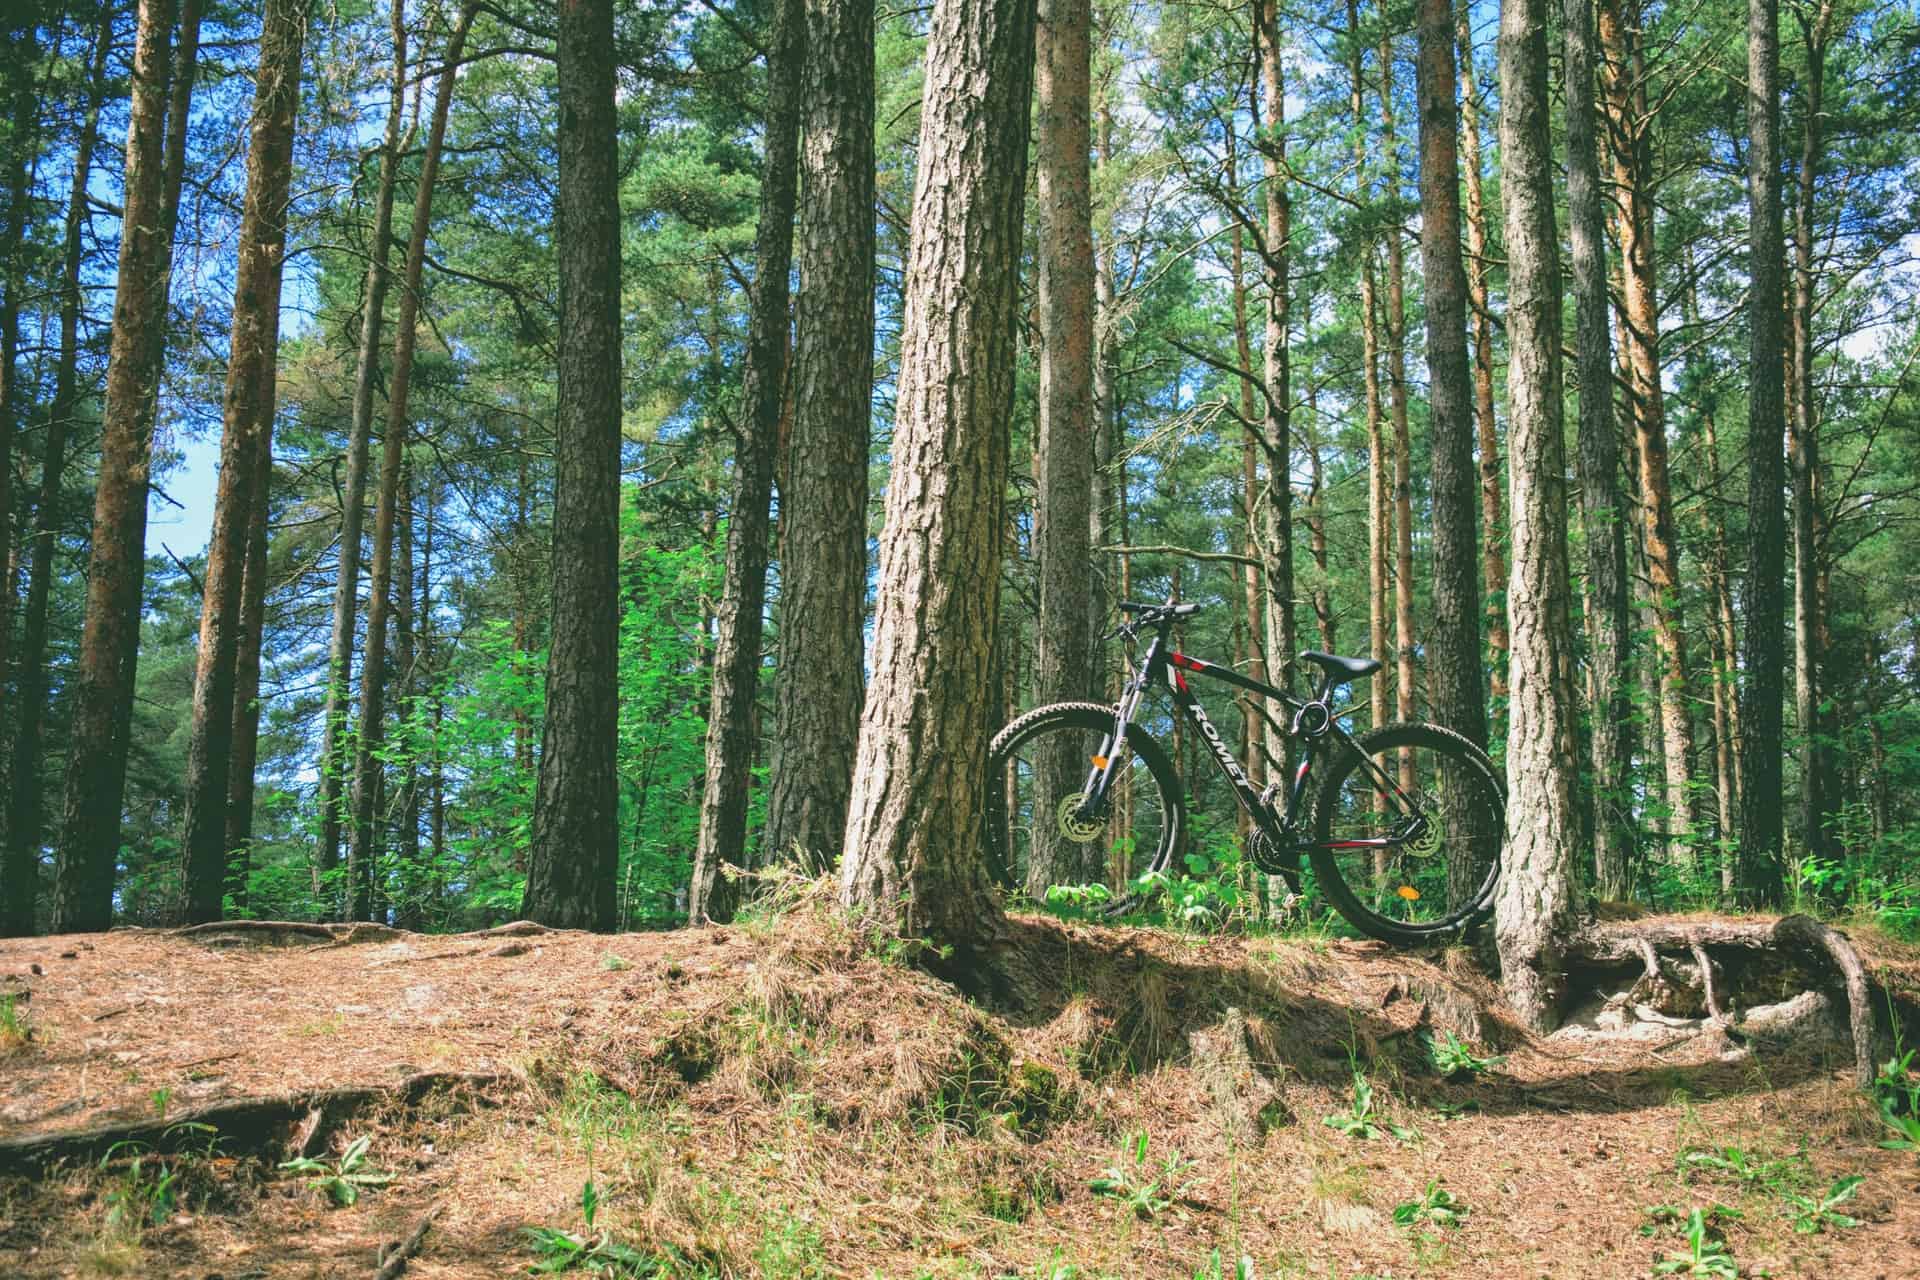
x=1150, y=615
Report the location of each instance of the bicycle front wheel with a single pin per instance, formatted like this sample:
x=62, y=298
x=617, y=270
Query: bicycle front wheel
x=1038, y=830
x=1408, y=827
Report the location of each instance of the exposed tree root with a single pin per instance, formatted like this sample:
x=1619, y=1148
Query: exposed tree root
x=243, y=1124
x=393, y=1259
x=1796, y=937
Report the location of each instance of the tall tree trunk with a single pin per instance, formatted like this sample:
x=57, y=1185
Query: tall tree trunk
x=1253, y=747
x=1809, y=608
x=1062, y=528
x=1493, y=557
x=1602, y=516
x=238, y=842
x=1533, y=905
x=574, y=856
x=1317, y=501
x=1396, y=335
x=247, y=433
x=1454, y=652
x=110, y=640
x=363, y=852
x=824, y=575
x=1760, y=714
x=22, y=58
x=1379, y=499
x=20, y=864
x=913, y=828
x=1106, y=412
x=346, y=591
x=1276, y=553
x=736, y=662
x=1629, y=128
x=406, y=852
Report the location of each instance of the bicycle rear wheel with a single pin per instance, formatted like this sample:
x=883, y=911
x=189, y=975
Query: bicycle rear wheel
x=1407, y=833
x=1038, y=770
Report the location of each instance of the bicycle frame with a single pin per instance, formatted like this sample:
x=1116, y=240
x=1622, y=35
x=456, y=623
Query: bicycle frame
x=1163, y=663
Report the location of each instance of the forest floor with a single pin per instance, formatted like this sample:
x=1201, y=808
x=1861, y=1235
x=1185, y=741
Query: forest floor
x=778, y=1099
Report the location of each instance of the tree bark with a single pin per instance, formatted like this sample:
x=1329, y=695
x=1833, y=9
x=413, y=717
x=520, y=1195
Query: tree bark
x=1760, y=714
x=406, y=855
x=22, y=57
x=247, y=434
x=1602, y=516
x=1379, y=509
x=346, y=592
x=109, y=648
x=1533, y=905
x=363, y=851
x=736, y=661
x=1493, y=557
x=238, y=843
x=20, y=870
x=1640, y=321
x=824, y=508
x=1063, y=501
x=913, y=829
x=1396, y=335
x=1276, y=552
x=1454, y=655
x=574, y=856
x=1809, y=606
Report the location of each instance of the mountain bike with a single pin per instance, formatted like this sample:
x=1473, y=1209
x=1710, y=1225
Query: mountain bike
x=1403, y=834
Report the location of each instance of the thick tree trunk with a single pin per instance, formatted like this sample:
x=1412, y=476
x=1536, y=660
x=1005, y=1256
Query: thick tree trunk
x=406, y=846
x=334, y=765
x=20, y=864
x=1492, y=503
x=1253, y=746
x=1454, y=651
x=743, y=594
x=238, y=842
x=1760, y=714
x=913, y=829
x=109, y=646
x=1533, y=907
x=1629, y=128
x=22, y=57
x=1062, y=521
x=824, y=508
x=363, y=851
x=573, y=861
x=1379, y=510
x=1809, y=606
x=1601, y=510
x=247, y=433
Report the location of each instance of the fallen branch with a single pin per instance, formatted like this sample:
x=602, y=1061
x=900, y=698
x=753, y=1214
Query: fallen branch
x=394, y=1260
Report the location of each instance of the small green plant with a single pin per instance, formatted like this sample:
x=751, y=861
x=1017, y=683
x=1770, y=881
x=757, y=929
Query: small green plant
x=1812, y=1217
x=1361, y=1121
x=1452, y=1058
x=1896, y=1095
x=1438, y=1206
x=1144, y=1187
x=342, y=1181
x=1078, y=899
x=1751, y=1168
x=615, y=964
x=587, y=1250
x=145, y=1192
x=1706, y=1253
x=160, y=1099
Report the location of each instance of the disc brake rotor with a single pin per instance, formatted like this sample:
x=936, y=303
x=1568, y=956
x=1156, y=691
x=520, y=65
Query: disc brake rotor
x=1427, y=843
x=1073, y=826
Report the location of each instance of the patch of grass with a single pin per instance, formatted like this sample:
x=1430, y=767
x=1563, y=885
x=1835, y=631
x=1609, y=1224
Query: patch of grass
x=16, y=1029
x=1749, y=1167
x=556, y=1250
x=615, y=964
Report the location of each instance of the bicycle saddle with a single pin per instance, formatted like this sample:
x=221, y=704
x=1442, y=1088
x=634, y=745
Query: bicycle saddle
x=1340, y=670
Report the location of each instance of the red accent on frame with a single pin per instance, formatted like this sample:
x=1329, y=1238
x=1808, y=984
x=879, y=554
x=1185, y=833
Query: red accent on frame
x=1182, y=660
x=1351, y=844
x=1181, y=681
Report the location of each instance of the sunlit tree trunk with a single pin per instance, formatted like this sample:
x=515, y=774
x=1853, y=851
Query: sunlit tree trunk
x=1454, y=654
x=238, y=841
x=823, y=507
x=103, y=679
x=1760, y=713
x=743, y=594
x=1533, y=907
x=1396, y=336
x=247, y=435
x=913, y=830
x=1277, y=437
x=574, y=855
x=1602, y=515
